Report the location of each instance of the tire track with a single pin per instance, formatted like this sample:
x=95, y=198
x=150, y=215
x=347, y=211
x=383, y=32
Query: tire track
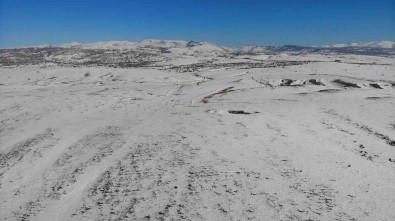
x=59, y=180
x=365, y=128
x=34, y=145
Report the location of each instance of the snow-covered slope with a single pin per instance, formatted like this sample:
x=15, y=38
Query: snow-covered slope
x=154, y=134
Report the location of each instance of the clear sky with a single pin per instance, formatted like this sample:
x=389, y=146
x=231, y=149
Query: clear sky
x=225, y=22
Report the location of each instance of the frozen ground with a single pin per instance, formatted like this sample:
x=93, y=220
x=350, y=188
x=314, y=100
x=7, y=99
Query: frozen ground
x=311, y=139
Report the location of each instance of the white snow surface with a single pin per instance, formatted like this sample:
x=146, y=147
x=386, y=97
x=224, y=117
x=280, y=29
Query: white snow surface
x=313, y=141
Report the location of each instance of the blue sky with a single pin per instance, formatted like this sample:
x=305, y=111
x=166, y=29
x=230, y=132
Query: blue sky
x=225, y=22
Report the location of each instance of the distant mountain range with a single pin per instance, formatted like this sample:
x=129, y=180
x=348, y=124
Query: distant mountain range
x=132, y=54
x=165, y=44
x=370, y=48
x=373, y=44
x=181, y=44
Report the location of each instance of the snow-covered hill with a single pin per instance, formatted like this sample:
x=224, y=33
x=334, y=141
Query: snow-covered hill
x=173, y=45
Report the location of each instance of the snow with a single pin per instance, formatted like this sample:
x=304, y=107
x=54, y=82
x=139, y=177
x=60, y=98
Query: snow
x=296, y=141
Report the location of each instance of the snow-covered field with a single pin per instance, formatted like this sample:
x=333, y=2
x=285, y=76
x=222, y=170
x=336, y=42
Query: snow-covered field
x=313, y=140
